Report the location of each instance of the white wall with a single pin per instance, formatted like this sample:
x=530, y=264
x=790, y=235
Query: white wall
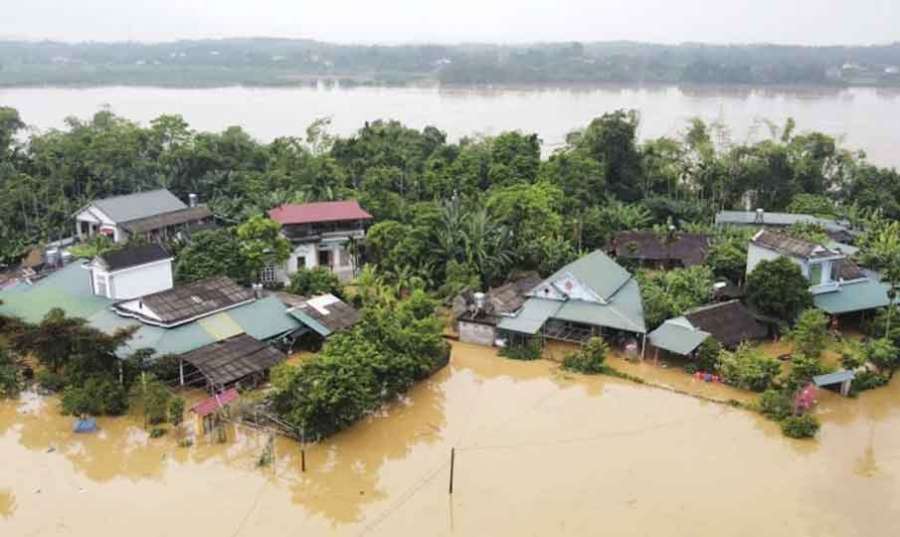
x=756, y=254
x=138, y=281
x=478, y=334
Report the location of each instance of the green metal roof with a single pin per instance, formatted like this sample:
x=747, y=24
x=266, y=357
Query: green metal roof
x=69, y=289
x=307, y=320
x=851, y=297
x=596, y=270
x=678, y=336
x=532, y=316
x=624, y=311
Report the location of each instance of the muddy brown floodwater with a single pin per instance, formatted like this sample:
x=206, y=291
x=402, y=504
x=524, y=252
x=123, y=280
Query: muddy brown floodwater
x=538, y=452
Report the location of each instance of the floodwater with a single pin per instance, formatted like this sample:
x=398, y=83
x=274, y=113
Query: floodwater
x=861, y=117
x=538, y=452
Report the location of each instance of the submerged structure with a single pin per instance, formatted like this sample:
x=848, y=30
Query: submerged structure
x=730, y=323
x=588, y=297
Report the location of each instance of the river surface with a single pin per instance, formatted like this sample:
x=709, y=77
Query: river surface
x=864, y=118
x=538, y=452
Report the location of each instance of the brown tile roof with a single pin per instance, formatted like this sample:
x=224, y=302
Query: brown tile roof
x=230, y=360
x=196, y=299
x=340, y=316
x=688, y=248
x=503, y=300
x=729, y=322
x=791, y=246
x=848, y=270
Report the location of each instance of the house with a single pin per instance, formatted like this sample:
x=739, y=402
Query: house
x=839, y=231
x=666, y=250
x=132, y=271
x=213, y=317
x=590, y=296
x=837, y=284
x=730, y=323
x=154, y=215
x=477, y=314
x=323, y=234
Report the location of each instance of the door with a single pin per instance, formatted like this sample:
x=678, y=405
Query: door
x=325, y=258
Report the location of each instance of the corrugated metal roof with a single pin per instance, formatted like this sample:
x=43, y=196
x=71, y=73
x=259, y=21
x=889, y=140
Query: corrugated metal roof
x=217, y=401
x=139, y=205
x=676, y=335
x=531, y=317
x=625, y=311
x=306, y=319
x=834, y=378
x=596, y=270
x=776, y=219
x=851, y=297
x=322, y=211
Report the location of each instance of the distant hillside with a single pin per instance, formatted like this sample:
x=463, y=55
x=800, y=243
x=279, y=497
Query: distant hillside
x=270, y=62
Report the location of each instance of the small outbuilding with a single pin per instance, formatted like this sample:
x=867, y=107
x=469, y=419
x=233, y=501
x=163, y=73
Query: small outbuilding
x=730, y=323
x=478, y=314
x=225, y=363
x=665, y=250
x=842, y=379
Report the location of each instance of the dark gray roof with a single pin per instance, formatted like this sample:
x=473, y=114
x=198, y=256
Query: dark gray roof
x=196, y=299
x=754, y=218
x=688, y=248
x=731, y=323
x=173, y=218
x=230, y=360
x=836, y=377
x=791, y=246
x=340, y=316
x=503, y=300
x=139, y=205
x=133, y=256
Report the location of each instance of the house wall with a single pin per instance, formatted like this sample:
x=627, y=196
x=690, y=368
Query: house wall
x=100, y=221
x=479, y=334
x=756, y=254
x=134, y=282
x=342, y=263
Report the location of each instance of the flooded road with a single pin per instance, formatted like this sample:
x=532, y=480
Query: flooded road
x=538, y=452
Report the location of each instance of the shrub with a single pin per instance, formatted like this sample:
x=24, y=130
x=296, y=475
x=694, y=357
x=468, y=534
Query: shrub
x=316, y=281
x=97, y=396
x=157, y=432
x=779, y=289
x=589, y=359
x=810, y=334
x=748, y=368
x=803, y=369
x=528, y=351
x=10, y=379
x=708, y=355
x=805, y=426
x=50, y=381
x=776, y=404
x=882, y=353
x=155, y=398
x=868, y=380
x=176, y=411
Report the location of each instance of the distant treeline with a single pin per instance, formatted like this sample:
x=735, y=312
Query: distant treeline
x=269, y=62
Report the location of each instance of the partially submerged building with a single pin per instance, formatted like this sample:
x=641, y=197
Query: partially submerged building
x=153, y=215
x=478, y=314
x=323, y=314
x=590, y=296
x=323, y=234
x=837, y=284
x=661, y=250
x=208, y=316
x=730, y=323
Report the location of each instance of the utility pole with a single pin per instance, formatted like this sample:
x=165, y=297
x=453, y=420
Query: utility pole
x=452, y=462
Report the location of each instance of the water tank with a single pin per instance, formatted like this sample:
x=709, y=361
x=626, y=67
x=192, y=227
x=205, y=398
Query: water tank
x=52, y=257
x=479, y=301
x=192, y=200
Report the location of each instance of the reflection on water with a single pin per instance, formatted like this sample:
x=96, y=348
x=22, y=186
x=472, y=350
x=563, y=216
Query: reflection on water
x=859, y=116
x=538, y=452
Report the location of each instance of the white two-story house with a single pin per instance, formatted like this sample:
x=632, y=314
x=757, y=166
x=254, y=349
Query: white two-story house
x=323, y=234
x=837, y=284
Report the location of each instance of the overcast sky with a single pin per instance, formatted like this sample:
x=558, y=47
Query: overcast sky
x=391, y=21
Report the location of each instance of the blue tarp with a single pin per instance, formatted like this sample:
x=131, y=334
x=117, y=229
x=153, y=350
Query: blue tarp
x=86, y=425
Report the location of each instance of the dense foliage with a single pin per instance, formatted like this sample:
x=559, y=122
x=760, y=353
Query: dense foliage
x=316, y=281
x=748, y=368
x=778, y=288
x=10, y=377
x=803, y=426
x=810, y=334
x=394, y=345
x=670, y=294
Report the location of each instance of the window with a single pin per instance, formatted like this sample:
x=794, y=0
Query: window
x=301, y=262
x=815, y=274
x=344, y=257
x=268, y=274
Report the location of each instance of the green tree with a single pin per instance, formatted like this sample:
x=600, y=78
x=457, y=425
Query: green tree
x=810, y=334
x=590, y=358
x=155, y=397
x=708, y=355
x=262, y=244
x=612, y=141
x=778, y=288
x=10, y=377
x=883, y=353
x=315, y=281
x=748, y=368
x=212, y=253
x=881, y=251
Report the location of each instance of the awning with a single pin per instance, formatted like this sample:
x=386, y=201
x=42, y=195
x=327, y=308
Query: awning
x=852, y=297
x=531, y=317
x=677, y=336
x=838, y=377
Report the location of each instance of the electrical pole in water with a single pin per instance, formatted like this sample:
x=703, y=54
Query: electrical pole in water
x=452, y=462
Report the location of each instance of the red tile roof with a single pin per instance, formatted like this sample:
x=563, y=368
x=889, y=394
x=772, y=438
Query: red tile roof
x=208, y=406
x=323, y=211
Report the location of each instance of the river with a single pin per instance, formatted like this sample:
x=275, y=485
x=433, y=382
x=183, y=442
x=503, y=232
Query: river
x=538, y=452
x=864, y=118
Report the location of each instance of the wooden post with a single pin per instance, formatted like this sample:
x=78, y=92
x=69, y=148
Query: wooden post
x=452, y=462
x=181, y=371
x=303, y=460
